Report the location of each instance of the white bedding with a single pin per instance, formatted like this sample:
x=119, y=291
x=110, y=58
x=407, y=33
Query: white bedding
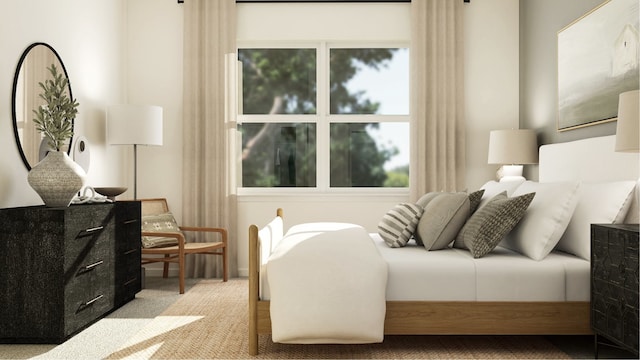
x=335, y=298
x=502, y=275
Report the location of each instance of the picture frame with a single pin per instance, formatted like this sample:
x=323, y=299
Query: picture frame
x=597, y=61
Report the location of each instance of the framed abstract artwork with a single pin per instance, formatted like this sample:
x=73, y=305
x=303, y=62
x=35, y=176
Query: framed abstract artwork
x=597, y=60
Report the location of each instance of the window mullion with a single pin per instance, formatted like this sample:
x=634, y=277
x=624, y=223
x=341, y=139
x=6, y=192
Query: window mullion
x=322, y=93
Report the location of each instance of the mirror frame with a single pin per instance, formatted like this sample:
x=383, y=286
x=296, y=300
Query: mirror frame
x=13, y=98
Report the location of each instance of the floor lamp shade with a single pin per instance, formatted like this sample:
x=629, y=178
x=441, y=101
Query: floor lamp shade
x=627, y=129
x=134, y=125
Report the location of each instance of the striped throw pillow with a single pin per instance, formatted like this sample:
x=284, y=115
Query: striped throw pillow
x=398, y=224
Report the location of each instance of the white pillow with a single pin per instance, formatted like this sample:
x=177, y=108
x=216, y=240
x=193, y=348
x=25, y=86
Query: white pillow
x=599, y=203
x=545, y=220
x=493, y=188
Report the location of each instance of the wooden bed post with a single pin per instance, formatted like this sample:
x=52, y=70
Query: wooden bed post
x=254, y=283
x=254, y=288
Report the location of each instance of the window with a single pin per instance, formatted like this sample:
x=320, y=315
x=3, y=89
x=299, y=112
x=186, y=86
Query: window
x=324, y=116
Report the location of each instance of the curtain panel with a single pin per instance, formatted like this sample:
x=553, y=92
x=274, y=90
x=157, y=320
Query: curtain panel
x=208, y=190
x=437, y=125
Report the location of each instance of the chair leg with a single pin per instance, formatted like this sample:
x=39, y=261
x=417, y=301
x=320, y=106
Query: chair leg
x=181, y=272
x=225, y=265
x=165, y=269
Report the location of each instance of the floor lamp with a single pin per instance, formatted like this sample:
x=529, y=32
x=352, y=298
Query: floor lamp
x=134, y=125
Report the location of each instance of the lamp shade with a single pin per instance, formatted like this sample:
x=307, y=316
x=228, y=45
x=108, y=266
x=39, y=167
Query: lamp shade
x=134, y=125
x=627, y=131
x=517, y=146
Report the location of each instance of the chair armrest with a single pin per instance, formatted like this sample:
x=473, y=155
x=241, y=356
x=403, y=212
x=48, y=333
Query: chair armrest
x=222, y=231
x=177, y=235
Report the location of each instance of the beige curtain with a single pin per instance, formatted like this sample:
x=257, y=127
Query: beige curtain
x=208, y=189
x=437, y=97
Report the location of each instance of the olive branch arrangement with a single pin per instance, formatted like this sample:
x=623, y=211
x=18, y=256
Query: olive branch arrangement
x=55, y=119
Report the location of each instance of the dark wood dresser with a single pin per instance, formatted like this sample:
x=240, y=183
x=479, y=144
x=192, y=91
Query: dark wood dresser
x=61, y=269
x=614, y=285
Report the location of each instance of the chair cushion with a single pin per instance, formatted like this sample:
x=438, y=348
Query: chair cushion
x=159, y=223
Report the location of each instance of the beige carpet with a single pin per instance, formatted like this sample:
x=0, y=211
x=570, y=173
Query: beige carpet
x=210, y=321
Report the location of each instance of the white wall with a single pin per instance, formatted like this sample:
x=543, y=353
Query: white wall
x=154, y=77
x=145, y=67
x=491, y=80
x=88, y=37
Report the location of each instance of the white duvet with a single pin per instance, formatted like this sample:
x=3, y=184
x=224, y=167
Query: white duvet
x=338, y=297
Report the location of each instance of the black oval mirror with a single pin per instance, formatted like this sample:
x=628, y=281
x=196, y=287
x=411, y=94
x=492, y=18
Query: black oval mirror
x=25, y=98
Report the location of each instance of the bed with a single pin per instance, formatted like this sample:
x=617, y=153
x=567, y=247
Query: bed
x=540, y=294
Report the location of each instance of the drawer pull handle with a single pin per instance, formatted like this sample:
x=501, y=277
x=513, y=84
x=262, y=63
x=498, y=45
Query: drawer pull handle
x=127, y=222
x=85, y=305
x=93, y=300
x=94, y=229
x=92, y=266
x=130, y=281
x=131, y=251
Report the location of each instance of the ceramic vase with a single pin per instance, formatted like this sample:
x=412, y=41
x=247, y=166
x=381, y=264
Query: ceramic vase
x=57, y=179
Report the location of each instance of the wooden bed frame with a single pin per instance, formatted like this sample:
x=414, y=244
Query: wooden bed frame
x=440, y=317
x=568, y=161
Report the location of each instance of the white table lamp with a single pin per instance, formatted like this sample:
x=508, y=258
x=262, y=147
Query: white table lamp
x=513, y=148
x=627, y=132
x=134, y=125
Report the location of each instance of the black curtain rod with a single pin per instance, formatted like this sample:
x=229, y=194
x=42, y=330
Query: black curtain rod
x=250, y=1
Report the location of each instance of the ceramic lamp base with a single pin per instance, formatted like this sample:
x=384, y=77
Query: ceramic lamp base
x=510, y=173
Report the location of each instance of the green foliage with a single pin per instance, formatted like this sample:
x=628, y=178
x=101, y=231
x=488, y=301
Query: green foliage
x=283, y=81
x=55, y=119
x=342, y=69
x=356, y=161
x=398, y=177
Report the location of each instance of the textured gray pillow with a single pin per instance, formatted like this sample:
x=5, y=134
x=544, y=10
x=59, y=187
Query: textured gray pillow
x=160, y=223
x=474, y=200
x=489, y=224
x=442, y=219
x=398, y=224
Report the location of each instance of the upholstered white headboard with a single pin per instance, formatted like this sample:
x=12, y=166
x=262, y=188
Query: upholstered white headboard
x=590, y=160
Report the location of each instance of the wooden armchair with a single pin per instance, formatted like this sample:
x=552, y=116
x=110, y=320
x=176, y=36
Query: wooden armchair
x=176, y=253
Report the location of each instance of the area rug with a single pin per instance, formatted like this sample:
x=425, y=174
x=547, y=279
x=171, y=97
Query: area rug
x=210, y=322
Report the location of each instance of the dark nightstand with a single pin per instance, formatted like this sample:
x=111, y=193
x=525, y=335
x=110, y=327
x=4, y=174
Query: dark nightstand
x=614, y=285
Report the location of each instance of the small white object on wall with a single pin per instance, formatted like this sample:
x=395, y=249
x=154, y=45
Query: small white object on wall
x=81, y=154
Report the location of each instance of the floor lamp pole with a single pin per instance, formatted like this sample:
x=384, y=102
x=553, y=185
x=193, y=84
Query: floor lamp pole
x=135, y=171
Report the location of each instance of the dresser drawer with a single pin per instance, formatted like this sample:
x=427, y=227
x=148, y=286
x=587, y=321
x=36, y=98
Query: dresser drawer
x=128, y=225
